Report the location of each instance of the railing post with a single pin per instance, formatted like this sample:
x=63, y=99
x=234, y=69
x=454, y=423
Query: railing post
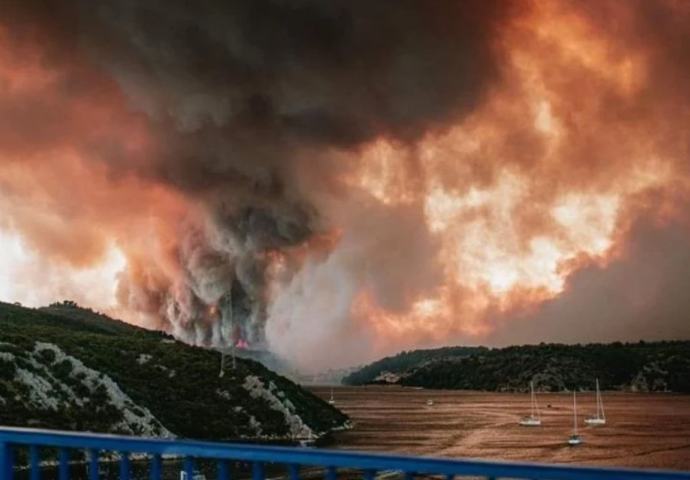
x=35, y=462
x=258, y=472
x=124, y=465
x=63, y=467
x=94, y=466
x=188, y=467
x=6, y=461
x=156, y=467
x=223, y=470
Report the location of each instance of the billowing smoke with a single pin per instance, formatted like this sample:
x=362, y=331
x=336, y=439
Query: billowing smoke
x=238, y=109
x=341, y=179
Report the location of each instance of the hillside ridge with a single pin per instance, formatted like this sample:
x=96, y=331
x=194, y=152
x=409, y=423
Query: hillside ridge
x=642, y=366
x=67, y=368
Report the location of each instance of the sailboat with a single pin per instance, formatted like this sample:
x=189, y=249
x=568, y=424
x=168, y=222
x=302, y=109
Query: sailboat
x=331, y=400
x=600, y=417
x=574, y=438
x=534, y=418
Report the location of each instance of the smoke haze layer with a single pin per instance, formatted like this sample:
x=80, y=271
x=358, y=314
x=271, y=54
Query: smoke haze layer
x=338, y=180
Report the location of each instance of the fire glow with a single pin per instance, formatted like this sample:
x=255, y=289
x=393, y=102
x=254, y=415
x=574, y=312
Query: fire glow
x=426, y=188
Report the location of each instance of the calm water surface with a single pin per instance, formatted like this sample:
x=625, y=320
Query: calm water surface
x=642, y=430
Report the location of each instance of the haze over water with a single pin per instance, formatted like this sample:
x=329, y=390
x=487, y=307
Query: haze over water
x=643, y=430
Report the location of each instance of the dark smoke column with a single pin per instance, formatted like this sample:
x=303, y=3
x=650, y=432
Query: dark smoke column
x=248, y=105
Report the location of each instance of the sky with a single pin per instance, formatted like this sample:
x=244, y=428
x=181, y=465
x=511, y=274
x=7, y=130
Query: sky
x=339, y=181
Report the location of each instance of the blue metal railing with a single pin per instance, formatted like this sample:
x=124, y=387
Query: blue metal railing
x=325, y=463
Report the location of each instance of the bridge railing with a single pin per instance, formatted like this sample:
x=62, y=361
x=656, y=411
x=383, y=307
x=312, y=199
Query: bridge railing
x=25, y=453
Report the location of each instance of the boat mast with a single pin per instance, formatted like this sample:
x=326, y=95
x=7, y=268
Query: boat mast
x=600, y=403
x=575, y=412
x=531, y=398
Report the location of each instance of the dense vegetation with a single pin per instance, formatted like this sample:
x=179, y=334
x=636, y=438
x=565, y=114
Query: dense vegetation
x=404, y=361
x=643, y=366
x=88, y=320
x=68, y=368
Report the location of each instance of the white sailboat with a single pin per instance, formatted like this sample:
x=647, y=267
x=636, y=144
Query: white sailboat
x=430, y=403
x=332, y=399
x=534, y=418
x=600, y=417
x=574, y=438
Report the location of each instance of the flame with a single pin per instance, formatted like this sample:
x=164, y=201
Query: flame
x=212, y=312
x=570, y=145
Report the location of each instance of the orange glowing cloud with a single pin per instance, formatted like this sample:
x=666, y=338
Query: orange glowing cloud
x=342, y=181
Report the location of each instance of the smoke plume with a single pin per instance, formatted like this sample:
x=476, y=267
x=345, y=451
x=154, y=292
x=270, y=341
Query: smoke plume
x=337, y=180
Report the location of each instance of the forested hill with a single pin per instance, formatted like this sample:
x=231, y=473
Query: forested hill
x=87, y=320
x=68, y=368
x=388, y=370
x=643, y=366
